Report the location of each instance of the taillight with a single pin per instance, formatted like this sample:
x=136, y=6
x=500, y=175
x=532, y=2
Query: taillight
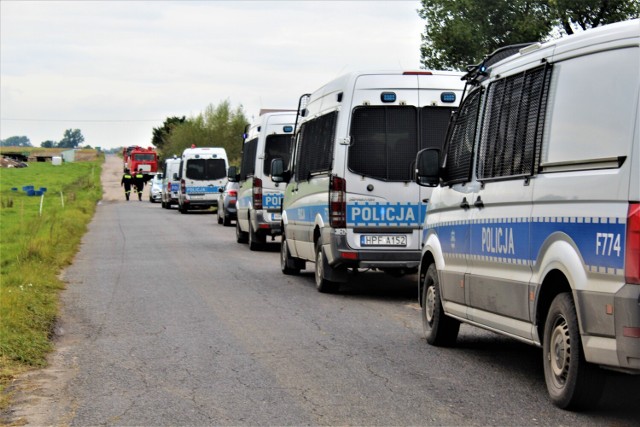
x=233, y=193
x=257, y=193
x=337, y=202
x=632, y=251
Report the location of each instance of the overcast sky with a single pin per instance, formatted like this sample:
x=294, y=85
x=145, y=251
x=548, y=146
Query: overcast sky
x=117, y=69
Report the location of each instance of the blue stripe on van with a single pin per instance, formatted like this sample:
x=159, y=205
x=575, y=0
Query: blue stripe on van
x=600, y=241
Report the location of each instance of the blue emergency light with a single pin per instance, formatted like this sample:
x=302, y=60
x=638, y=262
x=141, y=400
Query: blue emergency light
x=287, y=129
x=448, y=97
x=388, y=97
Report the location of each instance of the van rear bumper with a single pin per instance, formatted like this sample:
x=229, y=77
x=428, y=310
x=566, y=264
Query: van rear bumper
x=263, y=226
x=622, y=351
x=339, y=253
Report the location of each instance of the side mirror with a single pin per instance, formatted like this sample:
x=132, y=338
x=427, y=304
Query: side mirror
x=221, y=190
x=232, y=174
x=278, y=173
x=428, y=167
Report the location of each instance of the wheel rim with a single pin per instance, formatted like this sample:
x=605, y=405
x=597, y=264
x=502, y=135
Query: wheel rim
x=560, y=351
x=430, y=304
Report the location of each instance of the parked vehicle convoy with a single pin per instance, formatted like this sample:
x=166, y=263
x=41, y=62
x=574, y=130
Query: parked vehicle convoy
x=259, y=198
x=155, y=188
x=170, y=182
x=533, y=227
x=227, y=203
x=141, y=159
x=350, y=200
x=202, y=172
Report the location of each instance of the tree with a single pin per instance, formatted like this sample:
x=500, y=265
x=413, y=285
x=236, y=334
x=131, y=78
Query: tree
x=72, y=139
x=461, y=32
x=161, y=134
x=219, y=126
x=16, y=141
x=585, y=14
x=48, y=144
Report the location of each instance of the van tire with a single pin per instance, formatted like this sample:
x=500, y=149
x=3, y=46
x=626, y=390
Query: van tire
x=182, y=209
x=323, y=285
x=241, y=236
x=219, y=217
x=288, y=265
x=572, y=382
x=226, y=221
x=439, y=329
x=256, y=242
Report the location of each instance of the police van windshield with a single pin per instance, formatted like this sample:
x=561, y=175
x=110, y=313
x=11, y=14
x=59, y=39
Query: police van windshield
x=206, y=169
x=277, y=146
x=385, y=140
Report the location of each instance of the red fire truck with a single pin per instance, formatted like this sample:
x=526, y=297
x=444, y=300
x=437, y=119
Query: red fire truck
x=140, y=159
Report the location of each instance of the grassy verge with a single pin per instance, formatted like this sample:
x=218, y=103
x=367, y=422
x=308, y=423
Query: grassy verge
x=38, y=237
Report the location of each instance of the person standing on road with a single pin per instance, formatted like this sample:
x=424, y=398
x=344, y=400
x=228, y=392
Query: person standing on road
x=126, y=183
x=138, y=181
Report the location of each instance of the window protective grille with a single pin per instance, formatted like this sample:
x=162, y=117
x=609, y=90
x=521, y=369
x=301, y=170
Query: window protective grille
x=248, y=165
x=315, y=151
x=459, y=147
x=513, y=125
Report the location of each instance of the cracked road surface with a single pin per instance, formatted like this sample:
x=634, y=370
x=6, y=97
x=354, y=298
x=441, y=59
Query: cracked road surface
x=166, y=320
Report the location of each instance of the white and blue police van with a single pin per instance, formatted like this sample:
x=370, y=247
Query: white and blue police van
x=259, y=198
x=351, y=200
x=202, y=172
x=170, y=185
x=533, y=227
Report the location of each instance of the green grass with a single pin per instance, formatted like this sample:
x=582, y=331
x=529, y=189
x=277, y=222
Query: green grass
x=36, y=243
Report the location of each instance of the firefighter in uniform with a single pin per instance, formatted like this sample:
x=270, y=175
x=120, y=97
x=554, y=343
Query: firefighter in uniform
x=138, y=181
x=126, y=183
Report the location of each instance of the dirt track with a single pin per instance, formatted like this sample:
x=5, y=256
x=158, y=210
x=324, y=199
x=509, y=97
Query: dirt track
x=111, y=176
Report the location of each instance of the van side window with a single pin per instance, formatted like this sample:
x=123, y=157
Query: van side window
x=513, y=124
x=276, y=146
x=247, y=167
x=315, y=150
x=384, y=142
x=459, y=148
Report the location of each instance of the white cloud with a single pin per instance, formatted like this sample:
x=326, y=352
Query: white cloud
x=107, y=67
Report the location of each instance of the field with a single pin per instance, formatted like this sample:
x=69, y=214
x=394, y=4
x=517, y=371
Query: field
x=39, y=236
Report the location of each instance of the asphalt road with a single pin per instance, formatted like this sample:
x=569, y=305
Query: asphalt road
x=166, y=320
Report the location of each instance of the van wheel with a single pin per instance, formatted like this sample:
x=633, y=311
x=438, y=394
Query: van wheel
x=572, y=382
x=241, y=236
x=439, y=329
x=288, y=265
x=226, y=221
x=182, y=209
x=219, y=217
x=256, y=242
x=323, y=285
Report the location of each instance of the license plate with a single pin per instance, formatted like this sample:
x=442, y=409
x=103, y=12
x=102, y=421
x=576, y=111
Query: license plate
x=394, y=240
x=195, y=197
x=276, y=217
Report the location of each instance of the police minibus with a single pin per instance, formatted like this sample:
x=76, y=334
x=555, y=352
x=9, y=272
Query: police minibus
x=258, y=205
x=351, y=201
x=202, y=172
x=170, y=185
x=533, y=228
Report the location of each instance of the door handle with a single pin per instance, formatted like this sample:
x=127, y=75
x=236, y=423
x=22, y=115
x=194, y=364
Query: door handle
x=478, y=203
x=464, y=205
